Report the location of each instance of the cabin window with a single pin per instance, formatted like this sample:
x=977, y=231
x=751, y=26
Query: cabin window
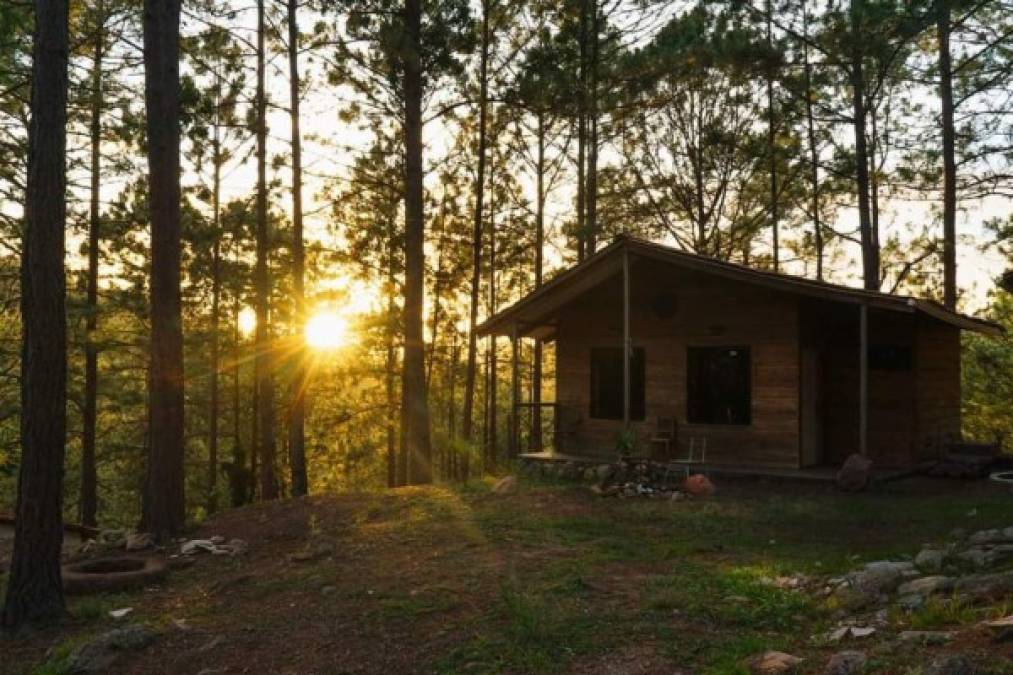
x=890, y=357
x=718, y=390
x=607, y=383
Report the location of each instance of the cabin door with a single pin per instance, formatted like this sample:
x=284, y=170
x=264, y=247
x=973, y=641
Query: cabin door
x=812, y=408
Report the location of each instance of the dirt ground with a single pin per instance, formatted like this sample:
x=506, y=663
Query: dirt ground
x=549, y=579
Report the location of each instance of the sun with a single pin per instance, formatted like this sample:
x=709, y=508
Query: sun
x=326, y=330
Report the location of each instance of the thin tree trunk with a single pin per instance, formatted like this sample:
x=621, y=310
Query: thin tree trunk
x=415, y=408
x=297, y=415
x=536, y=369
x=772, y=145
x=870, y=247
x=238, y=454
x=582, y=135
x=164, y=507
x=264, y=357
x=493, y=430
x=813, y=150
x=949, y=157
x=216, y=294
x=476, y=241
x=89, y=471
x=34, y=589
x=592, y=138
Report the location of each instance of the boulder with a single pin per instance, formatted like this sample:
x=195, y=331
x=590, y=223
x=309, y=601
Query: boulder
x=930, y=559
x=985, y=587
x=773, y=663
x=698, y=485
x=854, y=474
x=986, y=537
x=505, y=485
x=847, y=662
x=99, y=655
x=977, y=557
x=953, y=664
x=926, y=586
x=605, y=471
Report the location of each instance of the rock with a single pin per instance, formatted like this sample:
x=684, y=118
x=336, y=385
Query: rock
x=590, y=474
x=604, y=471
x=930, y=559
x=120, y=613
x=505, y=485
x=985, y=587
x=978, y=557
x=195, y=545
x=926, y=586
x=953, y=664
x=925, y=637
x=986, y=537
x=698, y=485
x=238, y=546
x=138, y=541
x=911, y=602
x=856, y=632
x=854, y=474
x=328, y=590
x=99, y=655
x=1007, y=534
x=1002, y=629
x=846, y=663
x=773, y=663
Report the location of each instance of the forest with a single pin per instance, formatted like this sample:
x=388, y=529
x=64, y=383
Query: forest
x=245, y=246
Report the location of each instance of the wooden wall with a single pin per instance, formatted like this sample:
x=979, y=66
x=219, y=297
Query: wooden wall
x=709, y=311
x=937, y=387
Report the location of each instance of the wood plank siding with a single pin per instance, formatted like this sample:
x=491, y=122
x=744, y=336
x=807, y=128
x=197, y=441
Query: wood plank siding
x=708, y=311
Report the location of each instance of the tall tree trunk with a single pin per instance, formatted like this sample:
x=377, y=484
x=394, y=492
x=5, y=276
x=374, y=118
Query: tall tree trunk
x=814, y=166
x=536, y=368
x=949, y=156
x=591, y=223
x=89, y=472
x=264, y=358
x=467, y=421
x=242, y=480
x=582, y=134
x=216, y=298
x=34, y=589
x=492, y=430
x=772, y=143
x=414, y=407
x=297, y=415
x=164, y=508
x=870, y=246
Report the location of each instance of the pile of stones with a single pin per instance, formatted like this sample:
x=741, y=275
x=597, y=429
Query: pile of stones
x=972, y=569
x=629, y=477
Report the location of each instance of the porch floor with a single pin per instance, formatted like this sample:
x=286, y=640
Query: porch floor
x=822, y=474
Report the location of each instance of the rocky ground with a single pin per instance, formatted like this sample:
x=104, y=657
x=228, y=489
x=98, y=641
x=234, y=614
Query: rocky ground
x=543, y=575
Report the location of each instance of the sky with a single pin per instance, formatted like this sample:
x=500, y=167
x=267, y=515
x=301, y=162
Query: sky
x=330, y=145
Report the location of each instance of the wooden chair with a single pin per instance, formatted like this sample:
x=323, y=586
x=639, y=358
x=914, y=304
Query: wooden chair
x=663, y=439
x=697, y=457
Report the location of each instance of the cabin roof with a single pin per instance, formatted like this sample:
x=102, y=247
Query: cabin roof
x=528, y=313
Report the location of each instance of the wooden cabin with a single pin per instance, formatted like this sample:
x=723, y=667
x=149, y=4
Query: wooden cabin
x=763, y=369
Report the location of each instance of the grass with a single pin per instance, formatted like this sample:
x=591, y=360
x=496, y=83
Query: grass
x=550, y=579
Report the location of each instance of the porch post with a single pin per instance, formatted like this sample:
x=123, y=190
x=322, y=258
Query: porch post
x=627, y=347
x=515, y=391
x=863, y=380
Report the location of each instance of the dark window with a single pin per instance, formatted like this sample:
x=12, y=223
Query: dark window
x=718, y=390
x=890, y=357
x=607, y=383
